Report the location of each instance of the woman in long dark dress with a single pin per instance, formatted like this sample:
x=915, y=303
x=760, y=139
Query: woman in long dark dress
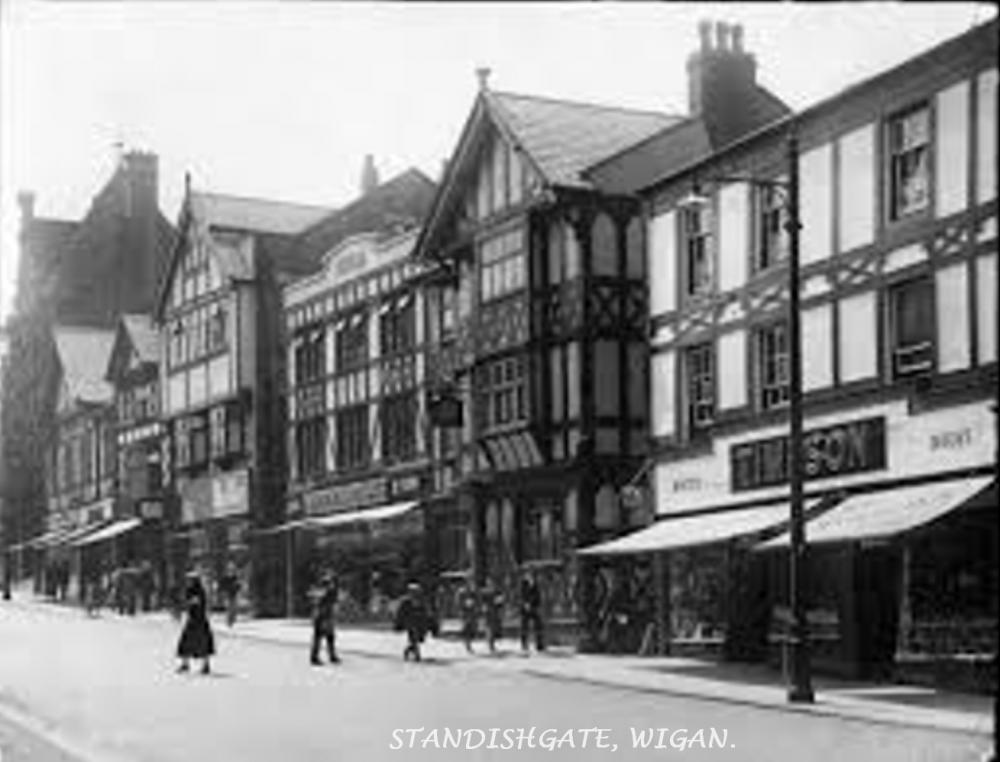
x=197, y=641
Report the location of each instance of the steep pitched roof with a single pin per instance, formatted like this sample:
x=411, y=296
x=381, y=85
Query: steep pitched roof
x=255, y=214
x=399, y=203
x=83, y=354
x=564, y=138
x=144, y=337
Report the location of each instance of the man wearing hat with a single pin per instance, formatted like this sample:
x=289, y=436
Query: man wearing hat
x=324, y=598
x=413, y=618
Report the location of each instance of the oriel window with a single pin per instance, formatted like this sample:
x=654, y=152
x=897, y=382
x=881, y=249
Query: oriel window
x=909, y=162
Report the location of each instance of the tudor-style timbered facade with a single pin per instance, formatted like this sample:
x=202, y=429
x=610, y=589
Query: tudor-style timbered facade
x=535, y=324
x=898, y=216
x=357, y=433
x=219, y=319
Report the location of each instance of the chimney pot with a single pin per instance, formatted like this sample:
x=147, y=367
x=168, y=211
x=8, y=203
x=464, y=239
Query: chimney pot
x=705, y=32
x=26, y=200
x=369, y=175
x=483, y=75
x=722, y=35
x=738, y=38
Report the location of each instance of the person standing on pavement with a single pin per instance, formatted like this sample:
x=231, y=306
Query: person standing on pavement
x=196, y=641
x=468, y=606
x=414, y=618
x=229, y=586
x=531, y=612
x=492, y=614
x=323, y=597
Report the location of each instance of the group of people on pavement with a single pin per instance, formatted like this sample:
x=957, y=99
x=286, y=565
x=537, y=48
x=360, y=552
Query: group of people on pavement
x=486, y=605
x=126, y=589
x=414, y=616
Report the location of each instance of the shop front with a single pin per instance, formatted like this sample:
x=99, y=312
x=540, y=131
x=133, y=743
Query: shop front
x=372, y=532
x=900, y=530
x=213, y=531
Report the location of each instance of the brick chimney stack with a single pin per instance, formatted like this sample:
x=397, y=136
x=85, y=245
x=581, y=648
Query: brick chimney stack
x=721, y=74
x=138, y=265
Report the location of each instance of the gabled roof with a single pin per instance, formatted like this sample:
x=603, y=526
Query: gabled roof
x=254, y=214
x=397, y=204
x=564, y=138
x=144, y=337
x=83, y=355
x=135, y=336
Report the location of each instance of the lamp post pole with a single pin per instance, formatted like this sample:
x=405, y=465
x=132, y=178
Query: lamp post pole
x=800, y=690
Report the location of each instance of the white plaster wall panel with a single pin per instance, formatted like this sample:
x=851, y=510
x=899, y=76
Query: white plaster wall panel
x=732, y=312
x=663, y=393
x=986, y=308
x=986, y=136
x=374, y=349
x=817, y=347
x=734, y=216
x=732, y=360
x=953, y=317
x=198, y=380
x=857, y=188
x=177, y=384
x=858, y=337
x=816, y=202
x=952, y=149
x=815, y=286
x=418, y=315
x=330, y=339
x=904, y=257
x=662, y=263
x=374, y=433
x=664, y=335
x=218, y=376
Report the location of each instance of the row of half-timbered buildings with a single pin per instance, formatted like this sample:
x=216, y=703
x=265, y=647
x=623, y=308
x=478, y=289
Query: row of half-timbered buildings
x=570, y=356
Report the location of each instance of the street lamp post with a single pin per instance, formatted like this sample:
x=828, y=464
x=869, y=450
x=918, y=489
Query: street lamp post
x=800, y=690
x=797, y=646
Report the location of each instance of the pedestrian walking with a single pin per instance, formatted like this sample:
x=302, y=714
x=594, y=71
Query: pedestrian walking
x=468, y=607
x=196, y=641
x=414, y=618
x=492, y=614
x=324, y=599
x=531, y=612
x=229, y=586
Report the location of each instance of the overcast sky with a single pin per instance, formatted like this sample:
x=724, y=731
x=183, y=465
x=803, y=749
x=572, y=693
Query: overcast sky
x=283, y=100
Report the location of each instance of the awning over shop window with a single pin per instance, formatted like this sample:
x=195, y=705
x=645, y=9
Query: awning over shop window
x=70, y=537
x=689, y=531
x=109, y=532
x=380, y=513
x=879, y=515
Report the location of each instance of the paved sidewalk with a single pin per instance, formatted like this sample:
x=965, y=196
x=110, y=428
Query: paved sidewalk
x=753, y=685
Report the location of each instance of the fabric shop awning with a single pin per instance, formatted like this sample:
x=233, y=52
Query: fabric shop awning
x=381, y=513
x=70, y=537
x=689, y=531
x=880, y=515
x=109, y=532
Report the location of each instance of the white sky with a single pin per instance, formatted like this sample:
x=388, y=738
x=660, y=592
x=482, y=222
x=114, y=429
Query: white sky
x=282, y=100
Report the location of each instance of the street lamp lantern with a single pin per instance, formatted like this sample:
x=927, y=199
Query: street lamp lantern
x=797, y=653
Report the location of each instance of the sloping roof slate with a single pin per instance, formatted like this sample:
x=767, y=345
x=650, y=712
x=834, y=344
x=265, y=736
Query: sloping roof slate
x=144, y=336
x=254, y=214
x=83, y=354
x=564, y=138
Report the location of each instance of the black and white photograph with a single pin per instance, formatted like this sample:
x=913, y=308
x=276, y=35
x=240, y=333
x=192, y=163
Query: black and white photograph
x=498, y=381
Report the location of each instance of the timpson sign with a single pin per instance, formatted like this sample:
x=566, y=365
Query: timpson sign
x=839, y=451
x=844, y=448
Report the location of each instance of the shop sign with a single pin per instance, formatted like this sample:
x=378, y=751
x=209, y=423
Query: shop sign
x=150, y=508
x=844, y=448
x=230, y=493
x=101, y=511
x=196, y=500
x=346, y=497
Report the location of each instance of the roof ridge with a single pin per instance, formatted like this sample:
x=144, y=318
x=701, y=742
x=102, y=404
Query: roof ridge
x=260, y=199
x=586, y=104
